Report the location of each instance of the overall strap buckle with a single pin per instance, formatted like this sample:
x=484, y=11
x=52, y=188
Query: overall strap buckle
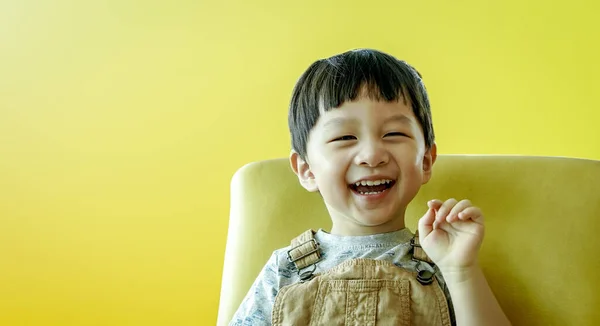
x=305, y=252
x=424, y=275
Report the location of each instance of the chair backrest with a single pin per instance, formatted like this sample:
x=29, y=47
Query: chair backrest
x=540, y=252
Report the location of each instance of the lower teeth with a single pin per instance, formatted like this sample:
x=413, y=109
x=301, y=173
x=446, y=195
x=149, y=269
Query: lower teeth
x=371, y=193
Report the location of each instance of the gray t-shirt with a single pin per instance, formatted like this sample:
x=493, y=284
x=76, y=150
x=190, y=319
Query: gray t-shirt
x=394, y=247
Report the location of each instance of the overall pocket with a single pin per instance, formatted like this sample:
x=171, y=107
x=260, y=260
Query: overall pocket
x=362, y=303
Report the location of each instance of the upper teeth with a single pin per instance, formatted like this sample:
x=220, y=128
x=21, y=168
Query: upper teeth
x=372, y=182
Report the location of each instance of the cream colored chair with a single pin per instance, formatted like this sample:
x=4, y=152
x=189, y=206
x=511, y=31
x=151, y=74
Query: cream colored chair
x=540, y=252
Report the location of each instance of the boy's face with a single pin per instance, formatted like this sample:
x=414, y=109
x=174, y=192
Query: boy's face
x=368, y=160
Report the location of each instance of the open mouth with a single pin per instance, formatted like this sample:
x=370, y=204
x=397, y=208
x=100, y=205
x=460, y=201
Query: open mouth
x=372, y=187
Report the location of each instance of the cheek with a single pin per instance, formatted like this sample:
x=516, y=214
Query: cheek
x=410, y=163
x=331, y=170
x=412, y=172
x=329, y=158
x=405, y=154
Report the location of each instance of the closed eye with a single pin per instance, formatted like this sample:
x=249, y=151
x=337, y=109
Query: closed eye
x=396, y=134
x=346, y=137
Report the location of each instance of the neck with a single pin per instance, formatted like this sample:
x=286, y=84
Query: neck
x=354, y=228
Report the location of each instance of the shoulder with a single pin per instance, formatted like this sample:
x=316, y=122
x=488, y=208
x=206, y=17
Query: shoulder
x=283, y=267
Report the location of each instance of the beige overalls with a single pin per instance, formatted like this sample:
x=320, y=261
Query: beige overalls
x=359, y=292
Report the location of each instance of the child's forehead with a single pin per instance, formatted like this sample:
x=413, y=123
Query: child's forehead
x=359, y=112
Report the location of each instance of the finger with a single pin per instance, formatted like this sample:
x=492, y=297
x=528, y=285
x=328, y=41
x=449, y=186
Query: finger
x=442, y=213
x=435, y=204
x=426, y=223
x=471, y=213
x=453, y=215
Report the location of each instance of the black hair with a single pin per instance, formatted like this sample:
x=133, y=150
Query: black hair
x=329, y=83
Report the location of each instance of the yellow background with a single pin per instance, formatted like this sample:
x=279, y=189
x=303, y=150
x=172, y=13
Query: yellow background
x=122, y=121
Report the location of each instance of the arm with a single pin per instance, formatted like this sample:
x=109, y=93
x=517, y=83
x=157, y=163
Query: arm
x=451, y=234
x=474, y=301
x=258, y=303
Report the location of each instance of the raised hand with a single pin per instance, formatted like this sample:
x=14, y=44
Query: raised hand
x=451, y=233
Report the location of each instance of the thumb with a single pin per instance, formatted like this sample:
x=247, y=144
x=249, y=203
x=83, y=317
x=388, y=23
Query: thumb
x=426, y=223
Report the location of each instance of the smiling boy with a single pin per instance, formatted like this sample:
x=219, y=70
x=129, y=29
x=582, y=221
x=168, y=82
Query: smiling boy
x=362, y=136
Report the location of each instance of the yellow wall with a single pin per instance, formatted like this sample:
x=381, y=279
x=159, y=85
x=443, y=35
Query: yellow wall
x=122, y=121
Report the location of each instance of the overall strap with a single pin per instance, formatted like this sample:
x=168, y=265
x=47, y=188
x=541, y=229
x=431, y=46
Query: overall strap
x=304, y=250
x=424, y=275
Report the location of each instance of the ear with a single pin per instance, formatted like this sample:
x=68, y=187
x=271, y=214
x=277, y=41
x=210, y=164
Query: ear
x=302, y=170
x=428, y=160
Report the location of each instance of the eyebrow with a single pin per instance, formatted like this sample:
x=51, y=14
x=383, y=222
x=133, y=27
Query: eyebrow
x=339, y=122
x=399, y=118
x=343, y=121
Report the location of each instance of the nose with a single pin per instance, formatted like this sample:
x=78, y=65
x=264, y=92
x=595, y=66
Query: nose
x=372, y=154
